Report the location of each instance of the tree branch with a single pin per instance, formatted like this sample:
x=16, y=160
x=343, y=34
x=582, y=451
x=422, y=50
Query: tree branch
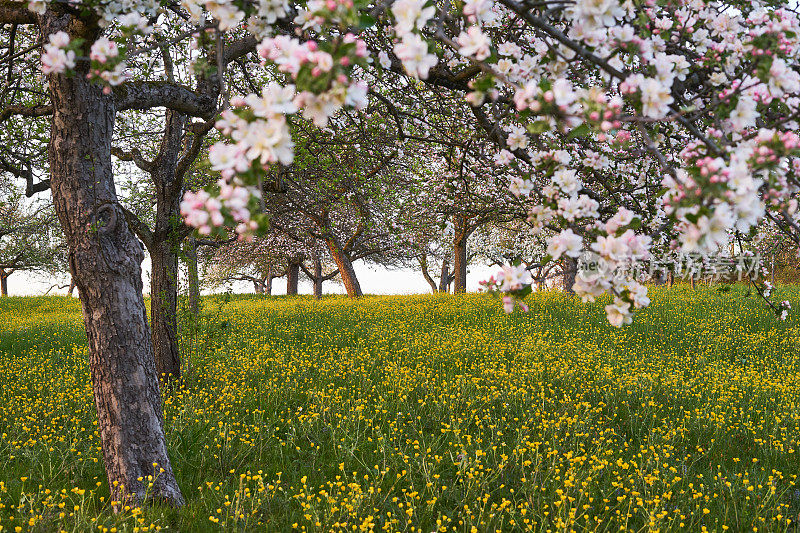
x=12, y=12
x=139, y=228
x=147, y=95
x=134, y=155
x=25, y=111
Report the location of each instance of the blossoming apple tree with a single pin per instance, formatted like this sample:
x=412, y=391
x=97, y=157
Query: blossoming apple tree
x=692, y=97
x=630, y=123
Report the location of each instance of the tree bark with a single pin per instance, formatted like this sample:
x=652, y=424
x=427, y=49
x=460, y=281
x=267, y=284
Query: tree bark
x=346, y=270
x=164, y=309
x=292, y=278
x=317, y=278
x=460, y=263
x=3, y=283
x=423, y=264
x=71, y=286
x=570, y=270
x=164, y=247
x=105, y=261
x=193, y=275
x=444, y=280
x=268, y=285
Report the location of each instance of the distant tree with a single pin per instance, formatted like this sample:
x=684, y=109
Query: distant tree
x=29, y=237
x=341, y=191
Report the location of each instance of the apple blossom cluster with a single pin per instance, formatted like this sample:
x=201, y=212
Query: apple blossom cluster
x=107, y=59
x=106, y=62
x=317, y=68
x=712, y=197
x=256, y=126
x=514, y=281
x=411, y=48
x=233, y=202
x=57, y=57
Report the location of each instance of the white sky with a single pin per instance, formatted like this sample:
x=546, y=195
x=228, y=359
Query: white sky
x=373, y=279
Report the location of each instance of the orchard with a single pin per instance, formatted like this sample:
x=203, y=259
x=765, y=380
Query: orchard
x=602, y=148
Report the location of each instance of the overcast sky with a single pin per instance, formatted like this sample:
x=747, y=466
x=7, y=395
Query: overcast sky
x=373, y=279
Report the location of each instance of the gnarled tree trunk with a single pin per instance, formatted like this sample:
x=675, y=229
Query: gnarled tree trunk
x=3, y=283
x=570, y=271
x=258, y=286
x=164, y=309
x=292, y=278
x=444, y=280
x=346, y=270
x=460, y=263
x=423, y=264
x=164, y=247
x=105, y=260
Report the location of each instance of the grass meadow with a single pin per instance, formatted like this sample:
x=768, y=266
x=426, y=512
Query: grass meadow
x=427, y=413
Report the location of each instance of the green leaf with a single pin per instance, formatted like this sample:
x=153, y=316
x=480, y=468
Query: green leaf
x=365, y=21
x=580, y=131
x=538, y=127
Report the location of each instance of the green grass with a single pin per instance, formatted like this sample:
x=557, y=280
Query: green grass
x=426, y=412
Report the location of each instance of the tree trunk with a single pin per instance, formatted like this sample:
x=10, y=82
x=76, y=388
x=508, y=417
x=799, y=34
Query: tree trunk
x=166, y=241
x=570, y=270
x=71, y=286
x=671, y=276
x=346, y=270
x=292, y=278
x=268, y=285
x=317, y=278
x=460, y=263
x=258, y=286
x=772, y=275
x=423, y=264
x=164, y=310
x=3, y=283
x=105, y=261
x=444, y=280
x=193, y=275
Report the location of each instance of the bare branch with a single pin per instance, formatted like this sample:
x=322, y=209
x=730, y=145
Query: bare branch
x=135, y=156
x=25, y=111
x=147, y=95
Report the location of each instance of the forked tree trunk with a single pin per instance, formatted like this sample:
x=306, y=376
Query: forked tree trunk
x=570, y=271
x=3, y=283
x=346, y=270
x=258, y=286
x=292, y=278
x=105, y=260
x=460, y=263
x=193, y=275
x=423, y=264
x=166, y=242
